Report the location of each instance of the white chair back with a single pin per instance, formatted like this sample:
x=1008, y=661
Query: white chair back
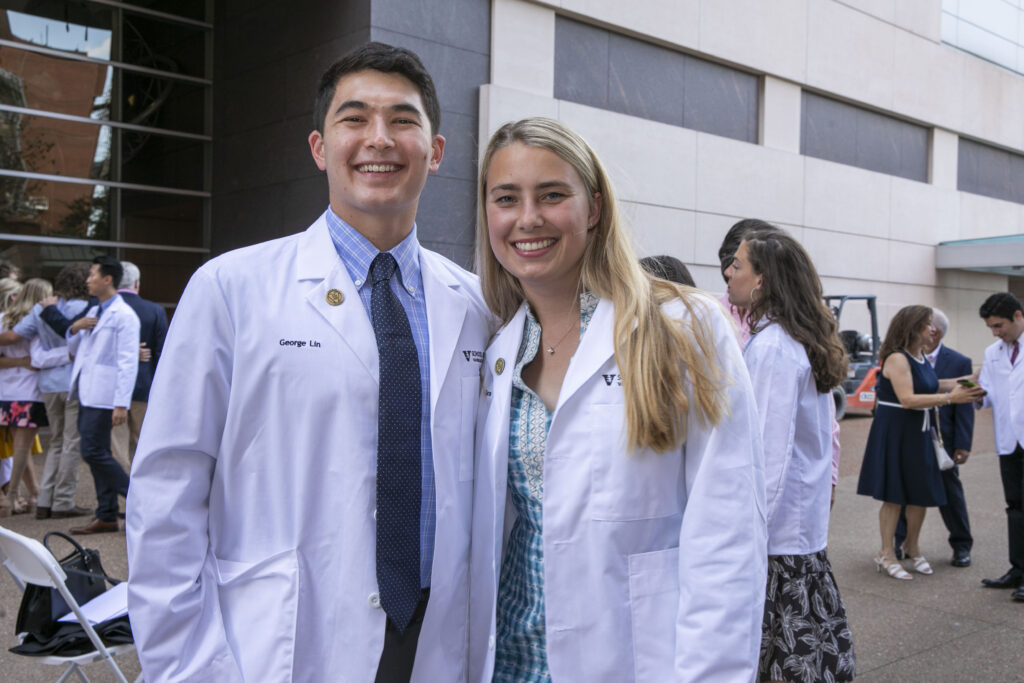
x=29, y=560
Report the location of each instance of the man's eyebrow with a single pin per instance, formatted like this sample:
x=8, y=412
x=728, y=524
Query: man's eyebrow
x=403, y=107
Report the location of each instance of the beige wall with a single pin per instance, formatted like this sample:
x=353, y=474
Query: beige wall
x=869, y=233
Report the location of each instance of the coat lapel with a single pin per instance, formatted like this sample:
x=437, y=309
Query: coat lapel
x=596, y=347
x=501, y=354
x=318, y=260
x=446, y=312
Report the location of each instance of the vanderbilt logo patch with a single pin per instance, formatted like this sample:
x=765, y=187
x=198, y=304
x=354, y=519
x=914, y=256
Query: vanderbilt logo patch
x=474, y=356
x=609, y=380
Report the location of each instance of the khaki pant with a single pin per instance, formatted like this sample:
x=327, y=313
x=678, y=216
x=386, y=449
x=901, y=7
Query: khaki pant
x=124, y=438
x=60, y=473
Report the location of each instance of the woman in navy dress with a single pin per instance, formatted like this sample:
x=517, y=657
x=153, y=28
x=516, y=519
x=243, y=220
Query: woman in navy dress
x=899, y=466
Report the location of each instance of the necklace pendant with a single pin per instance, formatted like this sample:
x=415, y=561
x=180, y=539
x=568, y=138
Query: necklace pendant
x=550, y=350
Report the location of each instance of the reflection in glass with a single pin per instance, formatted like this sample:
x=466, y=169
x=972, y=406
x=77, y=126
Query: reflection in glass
x=81, y=28
x=52, y=209
x=164, y=274
x=40, y=144
x=45, y=260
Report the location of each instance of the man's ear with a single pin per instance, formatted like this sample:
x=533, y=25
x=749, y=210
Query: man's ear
x=436, y=153
x=316, y=147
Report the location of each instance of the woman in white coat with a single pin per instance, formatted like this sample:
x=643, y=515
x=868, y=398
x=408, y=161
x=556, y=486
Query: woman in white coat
x=795, y=357
x=617, y=443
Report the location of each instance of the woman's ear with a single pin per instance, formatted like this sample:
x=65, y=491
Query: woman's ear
x=595, y=211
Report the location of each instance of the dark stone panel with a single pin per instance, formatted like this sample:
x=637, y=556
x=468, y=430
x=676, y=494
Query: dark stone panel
x=645, y=80
x=250, y=100
x=304, y=201
x=989, y=171
x=263, y=156
x=720, y=100
x=461, y=254
x=447, y=211
x=827, y=129
x=247, y=217
x=303, y=71
x=460, y=147
x=846, y=134
x=458, y=23
x=581, y=63
x=603, y=69
x=270, y=32
x=457, y=73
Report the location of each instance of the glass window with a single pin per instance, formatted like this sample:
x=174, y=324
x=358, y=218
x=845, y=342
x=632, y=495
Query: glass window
x=151, y=218
x=52, y=209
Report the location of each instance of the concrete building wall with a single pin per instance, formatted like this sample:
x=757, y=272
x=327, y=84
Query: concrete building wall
x=868, y=232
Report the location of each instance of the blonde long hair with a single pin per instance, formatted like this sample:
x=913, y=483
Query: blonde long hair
x=31, y=293
x=656, y=355
x=8, y=288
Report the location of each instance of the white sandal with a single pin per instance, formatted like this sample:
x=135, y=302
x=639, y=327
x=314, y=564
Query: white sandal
x=921, y=565
x=892, y=568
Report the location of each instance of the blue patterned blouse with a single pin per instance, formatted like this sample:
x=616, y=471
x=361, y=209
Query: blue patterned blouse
x=521, y=654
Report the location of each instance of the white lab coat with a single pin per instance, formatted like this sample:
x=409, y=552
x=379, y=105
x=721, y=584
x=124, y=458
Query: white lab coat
x=106, y=358
x=250, y=525
x=1004, y=384
x=654, y=565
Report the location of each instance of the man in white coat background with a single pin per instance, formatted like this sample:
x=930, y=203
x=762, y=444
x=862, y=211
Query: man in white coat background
x=1002, y=376
x=301, y=494
x=102, y=378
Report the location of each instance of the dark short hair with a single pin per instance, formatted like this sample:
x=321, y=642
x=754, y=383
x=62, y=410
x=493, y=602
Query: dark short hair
x=387, y=59
x=668, y=268
x=110, y=266
x=70, y=281
x=1000, y=305
x=732, y=239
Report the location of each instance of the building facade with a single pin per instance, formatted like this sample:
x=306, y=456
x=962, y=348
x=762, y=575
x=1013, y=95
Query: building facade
x=886, y=135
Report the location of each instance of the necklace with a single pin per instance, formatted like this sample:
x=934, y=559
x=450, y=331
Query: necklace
x=551, y=348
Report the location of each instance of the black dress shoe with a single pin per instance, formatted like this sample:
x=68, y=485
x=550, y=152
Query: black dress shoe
x=42, y=513
x=961, y=558
x=1018, y=594
x=1011, y=579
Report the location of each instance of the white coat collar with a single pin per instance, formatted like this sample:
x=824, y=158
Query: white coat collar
x=596, y=347
x=446, y=313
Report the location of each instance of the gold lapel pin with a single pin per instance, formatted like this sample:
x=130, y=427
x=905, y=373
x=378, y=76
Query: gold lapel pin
x=335, y=297
x=499, y=365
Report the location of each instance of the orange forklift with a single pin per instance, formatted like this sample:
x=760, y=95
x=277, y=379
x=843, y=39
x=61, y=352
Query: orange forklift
x=857, y=392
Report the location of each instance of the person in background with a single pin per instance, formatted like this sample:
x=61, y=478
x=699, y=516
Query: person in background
x=1002, y=377
x=638, y=540
x=795, y=357
x=668, y=268
x=899, y=466
x=102, y=379
x=152, y=330
x=49, y=354
x=956, y=426
x=9, y=270
x=22, y=409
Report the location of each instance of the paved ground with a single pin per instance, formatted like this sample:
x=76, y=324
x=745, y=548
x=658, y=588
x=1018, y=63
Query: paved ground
x=937, y=629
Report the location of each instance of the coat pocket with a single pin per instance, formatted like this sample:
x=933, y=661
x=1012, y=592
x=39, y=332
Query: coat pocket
x=654, y=606
x=259, y=605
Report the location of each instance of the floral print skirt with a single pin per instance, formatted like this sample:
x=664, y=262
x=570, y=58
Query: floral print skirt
x=805, y=637
x=23, y=414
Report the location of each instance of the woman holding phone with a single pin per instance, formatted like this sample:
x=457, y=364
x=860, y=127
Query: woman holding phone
x=899, y=466
x=618, y=430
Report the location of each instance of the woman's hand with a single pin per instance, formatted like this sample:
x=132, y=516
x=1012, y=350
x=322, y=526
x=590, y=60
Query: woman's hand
x=962, y=394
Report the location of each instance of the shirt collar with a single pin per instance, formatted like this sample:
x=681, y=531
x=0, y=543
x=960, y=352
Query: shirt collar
x=357, y=253
x=931, y=357
x=106, y=304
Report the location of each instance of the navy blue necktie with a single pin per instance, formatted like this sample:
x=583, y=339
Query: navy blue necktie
x=399, y=472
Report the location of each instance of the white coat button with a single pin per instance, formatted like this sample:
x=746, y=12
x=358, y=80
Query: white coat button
x=490, y=643
x=374, y=600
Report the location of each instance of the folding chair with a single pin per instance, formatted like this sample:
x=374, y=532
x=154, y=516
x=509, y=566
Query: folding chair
x=29, y=561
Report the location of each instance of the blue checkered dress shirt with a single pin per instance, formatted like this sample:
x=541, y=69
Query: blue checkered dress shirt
x=357, y=253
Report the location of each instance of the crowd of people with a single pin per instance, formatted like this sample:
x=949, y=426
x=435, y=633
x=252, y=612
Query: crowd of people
x=575, y=466
x=75, y=358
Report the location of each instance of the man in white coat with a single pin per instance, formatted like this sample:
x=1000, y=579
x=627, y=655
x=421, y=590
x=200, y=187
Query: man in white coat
x=102, y=378
x=257, y=489
x=1002, y=377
